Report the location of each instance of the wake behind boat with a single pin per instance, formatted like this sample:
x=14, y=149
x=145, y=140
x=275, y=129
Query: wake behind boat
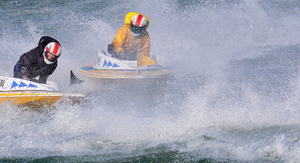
x=32, y=95
x=107, y=67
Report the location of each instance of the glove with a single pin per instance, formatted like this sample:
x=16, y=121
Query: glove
x=110, y=49
x=24, y=73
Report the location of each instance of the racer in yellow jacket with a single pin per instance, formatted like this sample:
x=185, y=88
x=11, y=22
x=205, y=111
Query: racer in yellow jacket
x=132, y=41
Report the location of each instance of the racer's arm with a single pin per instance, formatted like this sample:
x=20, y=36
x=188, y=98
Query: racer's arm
x=119, y=40
x=26, y=61
x=28, y=58
x=144, y=58
x=46, y=72
x=145, y=49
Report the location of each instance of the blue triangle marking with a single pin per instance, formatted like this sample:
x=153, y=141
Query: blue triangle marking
x=109, y=64
x=115, y=65
x=32, y=85
x=14, y=84
x=22, y=84
x=105, y=63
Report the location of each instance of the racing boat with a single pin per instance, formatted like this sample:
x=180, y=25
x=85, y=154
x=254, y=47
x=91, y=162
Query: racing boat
x=32, y=95
x=107, y=67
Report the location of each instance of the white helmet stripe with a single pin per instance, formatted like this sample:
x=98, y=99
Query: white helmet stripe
x=54, y=48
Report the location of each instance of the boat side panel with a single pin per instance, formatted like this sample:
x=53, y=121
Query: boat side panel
x=151, y=73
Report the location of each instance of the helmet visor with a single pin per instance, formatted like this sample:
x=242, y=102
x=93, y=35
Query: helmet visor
x=136, y=29
x=50, y=56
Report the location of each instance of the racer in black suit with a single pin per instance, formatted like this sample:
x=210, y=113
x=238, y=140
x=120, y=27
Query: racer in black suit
x=40, y=61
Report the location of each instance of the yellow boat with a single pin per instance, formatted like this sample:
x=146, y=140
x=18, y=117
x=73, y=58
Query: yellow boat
x=107, y=67
x=32, y=95
x=90, y=71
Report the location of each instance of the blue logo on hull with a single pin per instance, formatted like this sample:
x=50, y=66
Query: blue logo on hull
x=15, y=84
x=108, y=64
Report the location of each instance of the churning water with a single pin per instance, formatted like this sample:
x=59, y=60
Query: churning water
x=232, y=95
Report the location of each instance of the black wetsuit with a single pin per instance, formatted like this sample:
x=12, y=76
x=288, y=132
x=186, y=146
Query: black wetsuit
x=31, y=64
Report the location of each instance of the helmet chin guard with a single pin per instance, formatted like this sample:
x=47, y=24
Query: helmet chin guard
x=47, y=62
x=134, y=34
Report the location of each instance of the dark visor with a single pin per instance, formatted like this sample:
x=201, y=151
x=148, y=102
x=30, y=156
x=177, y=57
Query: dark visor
x=136, y=29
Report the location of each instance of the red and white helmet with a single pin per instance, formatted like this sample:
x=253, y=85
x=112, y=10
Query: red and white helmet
x=138, y=20
x=138, y=24
x=51, y=52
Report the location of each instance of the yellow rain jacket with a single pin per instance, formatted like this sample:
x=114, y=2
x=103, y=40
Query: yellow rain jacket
x=126, y=42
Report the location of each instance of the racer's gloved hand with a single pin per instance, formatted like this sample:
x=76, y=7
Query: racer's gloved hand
x=23, y=71
x=110, y=49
